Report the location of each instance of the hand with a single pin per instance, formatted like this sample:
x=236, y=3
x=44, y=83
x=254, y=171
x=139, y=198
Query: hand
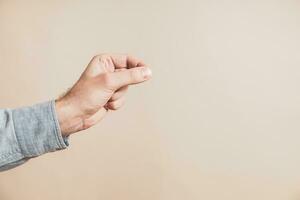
x=100, y=88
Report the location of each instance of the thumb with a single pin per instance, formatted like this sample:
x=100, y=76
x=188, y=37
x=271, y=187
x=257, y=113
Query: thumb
x=131, y=76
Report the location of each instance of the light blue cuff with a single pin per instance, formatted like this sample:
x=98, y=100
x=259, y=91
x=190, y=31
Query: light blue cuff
x=37, y=129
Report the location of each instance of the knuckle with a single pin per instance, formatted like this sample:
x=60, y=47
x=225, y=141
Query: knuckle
x=113, y=106
x=96, y=57
x=99, y=56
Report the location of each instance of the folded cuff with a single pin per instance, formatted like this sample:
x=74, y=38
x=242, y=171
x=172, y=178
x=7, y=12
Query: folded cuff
x=37, y=129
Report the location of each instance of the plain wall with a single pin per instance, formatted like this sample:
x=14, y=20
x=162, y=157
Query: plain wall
x=219, y=120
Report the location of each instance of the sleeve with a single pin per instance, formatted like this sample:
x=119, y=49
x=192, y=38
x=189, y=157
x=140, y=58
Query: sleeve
x=28, y=132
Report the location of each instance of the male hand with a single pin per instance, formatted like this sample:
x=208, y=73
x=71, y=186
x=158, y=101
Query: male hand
x=101, y=87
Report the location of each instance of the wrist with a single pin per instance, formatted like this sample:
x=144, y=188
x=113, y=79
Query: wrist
x=69, y=120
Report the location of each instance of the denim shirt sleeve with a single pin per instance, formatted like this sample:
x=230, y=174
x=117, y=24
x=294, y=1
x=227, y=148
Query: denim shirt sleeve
x=28, y=132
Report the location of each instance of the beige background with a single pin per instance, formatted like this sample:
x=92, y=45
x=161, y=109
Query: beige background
x=219, y=120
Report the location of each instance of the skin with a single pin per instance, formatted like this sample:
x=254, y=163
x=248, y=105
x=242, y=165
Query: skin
x=100, y=88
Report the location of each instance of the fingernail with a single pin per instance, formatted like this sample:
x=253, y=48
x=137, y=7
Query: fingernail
x=147, y=73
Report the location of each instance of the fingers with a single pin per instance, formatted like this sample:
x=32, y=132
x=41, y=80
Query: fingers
x=119, y=93
x=99, y=65
x=122, y=60
x=114, y=105
x=94, y=119
x=117, y=100
x=122, y=78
